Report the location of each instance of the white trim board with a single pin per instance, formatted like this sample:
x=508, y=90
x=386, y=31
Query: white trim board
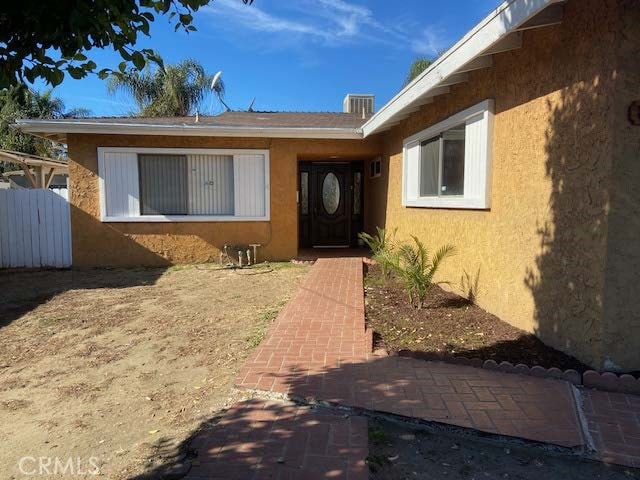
x=183, y=218
x=451, y=121
x=37, y=126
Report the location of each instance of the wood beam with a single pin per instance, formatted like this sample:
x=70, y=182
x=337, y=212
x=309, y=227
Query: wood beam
x=454, y=79
x=41, y=176
x=440, y=90
x=412, y=110
x=477, y=64
x=512, y=41
x=424, y=101
x=49, y=177
x=29, y=175
x=552, y=15
x=400, y=116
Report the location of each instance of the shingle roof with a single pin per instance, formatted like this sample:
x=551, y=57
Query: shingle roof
x=248, y=119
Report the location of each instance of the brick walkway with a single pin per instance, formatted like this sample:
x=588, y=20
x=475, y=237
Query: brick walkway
x=614, y=426
x=321, y=326
x=275, y=440
x=318, y=348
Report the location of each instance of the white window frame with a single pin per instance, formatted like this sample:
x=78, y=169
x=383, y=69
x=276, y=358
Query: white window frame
x=477, y=169
x=375, y=163
x=183, y=218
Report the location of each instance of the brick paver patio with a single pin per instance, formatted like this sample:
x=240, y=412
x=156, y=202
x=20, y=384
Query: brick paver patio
x=614, y=426
x=318, y=349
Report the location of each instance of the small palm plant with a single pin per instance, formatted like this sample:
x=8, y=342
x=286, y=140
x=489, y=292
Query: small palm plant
x=416, y=269
x=470, y=285
x=382, y=248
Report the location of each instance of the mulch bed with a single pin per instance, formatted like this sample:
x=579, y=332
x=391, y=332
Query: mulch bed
x=449, y=326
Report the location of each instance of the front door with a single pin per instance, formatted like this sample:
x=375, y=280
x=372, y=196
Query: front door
x=330, y=205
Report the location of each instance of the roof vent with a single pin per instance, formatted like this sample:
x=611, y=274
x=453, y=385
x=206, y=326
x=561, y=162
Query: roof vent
x=360, y=104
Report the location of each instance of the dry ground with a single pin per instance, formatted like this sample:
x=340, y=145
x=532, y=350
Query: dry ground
x=112, y=364
x=402, y=452
x=449, y=326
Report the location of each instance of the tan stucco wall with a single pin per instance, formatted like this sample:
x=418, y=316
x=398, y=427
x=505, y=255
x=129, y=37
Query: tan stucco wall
x=621, y=331
x=100, y=244
x=541, y=248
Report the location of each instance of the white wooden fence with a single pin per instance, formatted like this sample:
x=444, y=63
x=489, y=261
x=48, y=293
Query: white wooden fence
x=34, y=228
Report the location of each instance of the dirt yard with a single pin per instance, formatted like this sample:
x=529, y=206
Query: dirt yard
x=108, y=367
x=449, y=326
x=400, y=452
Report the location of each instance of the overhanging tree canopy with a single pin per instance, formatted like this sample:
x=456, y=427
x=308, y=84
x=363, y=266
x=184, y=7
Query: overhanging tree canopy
x=46, y=39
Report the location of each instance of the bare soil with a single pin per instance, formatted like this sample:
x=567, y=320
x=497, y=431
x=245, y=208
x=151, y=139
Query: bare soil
x=117, y=364
x=399, y=452
x=450, y=326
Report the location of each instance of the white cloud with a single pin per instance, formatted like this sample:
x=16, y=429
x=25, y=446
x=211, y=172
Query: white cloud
x=331, y=22
x=428, y=42
x=259, y=20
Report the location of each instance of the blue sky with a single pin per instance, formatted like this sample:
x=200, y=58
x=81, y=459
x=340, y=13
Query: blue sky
x=302, y=55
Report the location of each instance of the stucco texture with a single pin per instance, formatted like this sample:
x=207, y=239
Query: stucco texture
x=621, y=331
x=542, y=246
x=95, y=243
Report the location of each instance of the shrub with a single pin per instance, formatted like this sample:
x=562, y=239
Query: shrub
x=469, y=285
x=375, y=242
x=417, y=270
x=382, y=248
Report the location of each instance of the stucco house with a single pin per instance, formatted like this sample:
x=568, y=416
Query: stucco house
x=519, y=145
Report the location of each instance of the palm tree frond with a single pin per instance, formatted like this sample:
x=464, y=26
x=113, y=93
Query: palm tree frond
x=166, y=90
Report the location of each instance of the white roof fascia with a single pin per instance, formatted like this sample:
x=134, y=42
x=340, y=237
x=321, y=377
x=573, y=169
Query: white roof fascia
x=111, y=128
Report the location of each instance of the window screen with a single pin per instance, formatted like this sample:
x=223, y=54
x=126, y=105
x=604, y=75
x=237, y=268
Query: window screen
x=442, y=164
x=429, y=167
x=163, y=184
x=453, y=162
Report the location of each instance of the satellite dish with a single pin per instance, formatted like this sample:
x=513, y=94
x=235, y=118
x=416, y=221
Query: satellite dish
x=214, y=82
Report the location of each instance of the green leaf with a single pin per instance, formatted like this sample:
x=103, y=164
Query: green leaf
x=124, y=54
x=29, y=74
x=186, y=18
x=76, y=72
x=144, y=27
x=56, y=77
x=138, y=60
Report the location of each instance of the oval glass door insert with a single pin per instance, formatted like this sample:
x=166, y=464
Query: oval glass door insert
x=330, y=193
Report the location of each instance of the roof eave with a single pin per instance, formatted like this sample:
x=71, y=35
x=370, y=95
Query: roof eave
x=64, y=127
x=495, y=27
